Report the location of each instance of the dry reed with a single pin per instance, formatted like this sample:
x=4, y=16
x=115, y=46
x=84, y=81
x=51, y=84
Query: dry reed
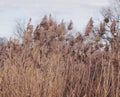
x=48, y=63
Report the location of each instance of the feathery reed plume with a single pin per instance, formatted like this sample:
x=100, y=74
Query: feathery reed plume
x=70, y=26
x=61, y=30
x=102, y=28
x=112, y=27
x=79, y=38
x=36, y=33
x=51, y=22
x=28, y=34
x=89, y=27
x=44, y=23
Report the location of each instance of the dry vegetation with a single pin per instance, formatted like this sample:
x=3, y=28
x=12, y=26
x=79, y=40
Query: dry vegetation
x=51, y=63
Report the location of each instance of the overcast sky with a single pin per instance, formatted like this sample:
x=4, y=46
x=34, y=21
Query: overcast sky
x=78, y=10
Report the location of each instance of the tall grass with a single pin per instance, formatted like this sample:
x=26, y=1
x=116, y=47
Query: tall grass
x=51, y=63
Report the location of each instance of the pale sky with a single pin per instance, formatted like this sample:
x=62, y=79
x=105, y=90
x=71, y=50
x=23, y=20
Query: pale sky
x=77, y=10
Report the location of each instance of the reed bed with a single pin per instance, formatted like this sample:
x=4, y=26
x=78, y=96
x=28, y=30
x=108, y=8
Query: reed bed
x=49, y=62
